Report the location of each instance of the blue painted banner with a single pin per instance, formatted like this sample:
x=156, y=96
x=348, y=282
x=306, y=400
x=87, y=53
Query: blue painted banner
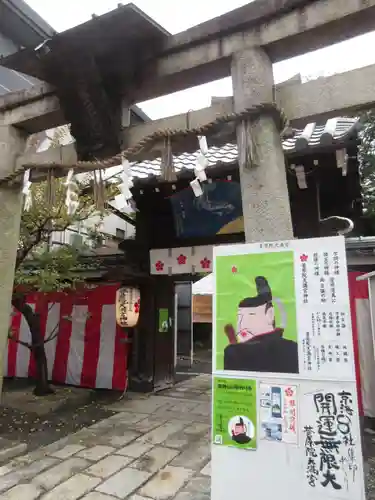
x=217, y=211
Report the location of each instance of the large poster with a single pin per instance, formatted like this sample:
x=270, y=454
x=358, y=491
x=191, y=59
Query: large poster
x=284, y=308
x=282, y=326
x=256, y=300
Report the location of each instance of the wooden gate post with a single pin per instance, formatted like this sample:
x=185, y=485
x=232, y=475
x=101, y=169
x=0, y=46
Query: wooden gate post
x=265, y=199
x=12, y=144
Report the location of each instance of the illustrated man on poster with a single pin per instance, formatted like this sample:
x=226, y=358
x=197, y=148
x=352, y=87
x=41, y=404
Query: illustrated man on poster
x=239, y=432
x=258, y=345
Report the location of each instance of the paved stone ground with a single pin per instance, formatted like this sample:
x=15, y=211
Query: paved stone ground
x=153, y=447
x=27, y=421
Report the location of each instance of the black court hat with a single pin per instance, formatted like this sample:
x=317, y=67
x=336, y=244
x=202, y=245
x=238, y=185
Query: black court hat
x=264, y=294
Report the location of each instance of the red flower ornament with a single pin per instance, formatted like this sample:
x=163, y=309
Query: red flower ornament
x=181, y=260
x=159, y=266
x=289, y=392
x=205, y=263
x=304, y=257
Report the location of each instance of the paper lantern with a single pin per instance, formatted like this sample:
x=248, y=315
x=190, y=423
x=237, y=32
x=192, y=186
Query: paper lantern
x=127, y=306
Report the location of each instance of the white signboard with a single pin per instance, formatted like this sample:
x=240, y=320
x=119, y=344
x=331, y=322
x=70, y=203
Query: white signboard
x=282, y=323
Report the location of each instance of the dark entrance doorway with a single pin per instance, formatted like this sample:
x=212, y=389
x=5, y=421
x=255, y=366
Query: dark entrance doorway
x=192, y=350
x=184, y=352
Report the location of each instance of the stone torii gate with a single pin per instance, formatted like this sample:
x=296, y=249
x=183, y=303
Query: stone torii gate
x=242, y=43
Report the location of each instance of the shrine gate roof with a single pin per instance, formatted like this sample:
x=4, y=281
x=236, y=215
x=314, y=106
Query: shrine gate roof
x=341, y=130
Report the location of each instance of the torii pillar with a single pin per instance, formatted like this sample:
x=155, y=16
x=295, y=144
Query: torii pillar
x=12, y=144
x=265, y=198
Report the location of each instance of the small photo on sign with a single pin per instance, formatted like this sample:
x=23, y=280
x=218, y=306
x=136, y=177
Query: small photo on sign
x=278, y=413
x=272, y=431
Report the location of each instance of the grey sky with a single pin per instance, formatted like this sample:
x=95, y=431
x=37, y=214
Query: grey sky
x=178, y=15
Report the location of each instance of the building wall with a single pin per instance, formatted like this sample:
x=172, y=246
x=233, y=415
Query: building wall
x=111, y=225
x=10, y=80
x=7, y=46
x=6, y=77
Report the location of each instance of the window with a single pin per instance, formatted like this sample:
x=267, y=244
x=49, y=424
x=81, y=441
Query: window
x=120, y=234
x=76, y=240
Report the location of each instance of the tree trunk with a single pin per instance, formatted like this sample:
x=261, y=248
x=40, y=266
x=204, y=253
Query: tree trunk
x=37, y=346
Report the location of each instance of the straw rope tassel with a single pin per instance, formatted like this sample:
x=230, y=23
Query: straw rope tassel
x=50, y=189
x=166, y=165
x=101, y=191
x=99, y=195
x=248, y=156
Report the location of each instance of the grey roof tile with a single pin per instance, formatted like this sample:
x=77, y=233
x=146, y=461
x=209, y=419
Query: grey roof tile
x=227, y=154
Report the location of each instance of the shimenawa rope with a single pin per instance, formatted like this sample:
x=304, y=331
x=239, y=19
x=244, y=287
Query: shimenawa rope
x=251, y=113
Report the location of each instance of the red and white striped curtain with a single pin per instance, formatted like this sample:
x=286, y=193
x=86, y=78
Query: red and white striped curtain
x=363, y=343
x=90, y=349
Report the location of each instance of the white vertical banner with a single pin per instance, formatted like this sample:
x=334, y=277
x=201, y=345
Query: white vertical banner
x=23, y=353
x=285, y=409
x=77, y=345
x=52, y=330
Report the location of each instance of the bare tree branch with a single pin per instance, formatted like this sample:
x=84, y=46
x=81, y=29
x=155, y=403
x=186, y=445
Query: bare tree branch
x=37, y=237
x=31, y=347
x=51, y=336
x=21, y=342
